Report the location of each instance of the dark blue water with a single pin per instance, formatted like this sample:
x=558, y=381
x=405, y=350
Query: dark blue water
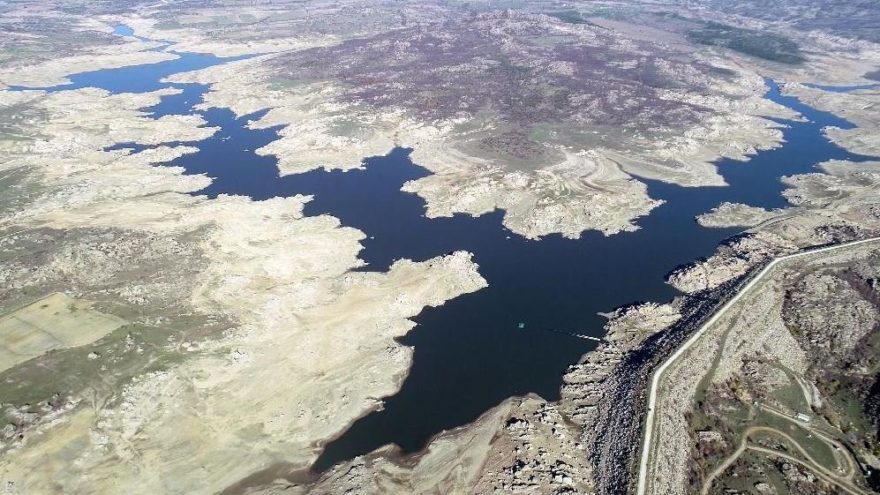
x=470, y=354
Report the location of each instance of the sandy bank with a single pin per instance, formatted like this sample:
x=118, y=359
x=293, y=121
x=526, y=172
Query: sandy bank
x=312, y=346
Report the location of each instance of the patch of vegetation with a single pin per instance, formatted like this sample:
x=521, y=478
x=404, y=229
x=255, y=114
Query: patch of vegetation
x=790, y=396
x=569, y=16
x=718, y=409
x=345, y=127
x=759, y=44
x=168, y=25
x=514, y=148
x=751, y=470
x=817, y=448
x=128, y=351
x=722, y=71
x=614, y=13
x=674, y=16
x=278, y=83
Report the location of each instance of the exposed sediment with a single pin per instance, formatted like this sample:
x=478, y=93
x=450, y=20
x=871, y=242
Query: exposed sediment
x=54, y=72
x=732, y=260
x=579, y=445
x=481, y=162
x=523, y=445
x=192, y=39
x=735, y=215
x=248, y=292
x=605, y=393
x=858, y=107
x=280, y=279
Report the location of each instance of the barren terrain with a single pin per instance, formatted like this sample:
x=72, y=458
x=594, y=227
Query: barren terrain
x=153, y=340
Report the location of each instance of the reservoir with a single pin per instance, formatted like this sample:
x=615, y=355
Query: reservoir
x=478, y=349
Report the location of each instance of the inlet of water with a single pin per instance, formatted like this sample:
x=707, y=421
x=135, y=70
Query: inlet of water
x=481, y=348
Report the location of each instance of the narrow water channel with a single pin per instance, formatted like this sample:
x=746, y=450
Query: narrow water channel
x=481, y=348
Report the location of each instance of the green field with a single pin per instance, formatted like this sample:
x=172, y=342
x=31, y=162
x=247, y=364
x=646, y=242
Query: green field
x=759, y=44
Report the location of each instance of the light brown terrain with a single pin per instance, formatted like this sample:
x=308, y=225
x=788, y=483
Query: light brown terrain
x=157, y=341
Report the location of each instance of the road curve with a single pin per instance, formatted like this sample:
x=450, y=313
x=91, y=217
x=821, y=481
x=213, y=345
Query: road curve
x=642, y=487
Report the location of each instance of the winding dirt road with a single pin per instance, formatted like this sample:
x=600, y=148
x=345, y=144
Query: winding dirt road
x=648, y=436
x=844, y=482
